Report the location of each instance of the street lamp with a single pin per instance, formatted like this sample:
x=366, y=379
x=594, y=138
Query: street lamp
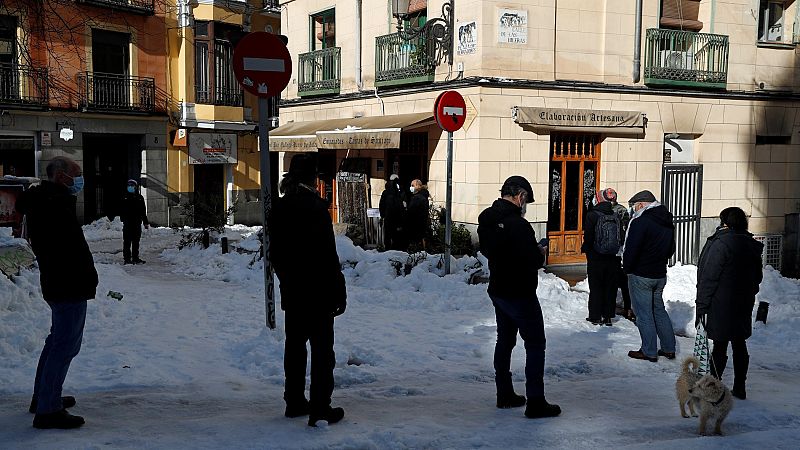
x=437, y=32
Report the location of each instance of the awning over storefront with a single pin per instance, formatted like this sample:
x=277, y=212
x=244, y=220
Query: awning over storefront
x=612, y=123
x=359, y=133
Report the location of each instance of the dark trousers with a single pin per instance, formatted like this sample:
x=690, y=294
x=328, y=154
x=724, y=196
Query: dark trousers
x=525, y=317
x=130, y=242
x=741, y=360
x=62, y=344
x=394, y=236
x=603, y=279
x=318, y=331
x=622, y=283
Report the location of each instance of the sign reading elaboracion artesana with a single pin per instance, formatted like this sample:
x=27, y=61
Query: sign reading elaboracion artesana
x=561, y=117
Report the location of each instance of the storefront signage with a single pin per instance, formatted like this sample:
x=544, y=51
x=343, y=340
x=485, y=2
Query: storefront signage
x=47, y=139
x=212, y=148
x=359, y=139
x=293, y=143
x=581, y=120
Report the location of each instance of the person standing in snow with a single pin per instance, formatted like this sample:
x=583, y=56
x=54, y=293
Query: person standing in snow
x=393, y=215
x=602, y=240
x=648, y=246
x=68, y=279
x=133, y=214
x=509, y=243
x=418, y=216
x=622, y=279
x=313, y=291
x=728, y=276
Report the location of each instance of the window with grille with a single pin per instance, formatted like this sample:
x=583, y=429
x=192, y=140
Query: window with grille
x=770, y=21
x=215, y=82
x=772, y=255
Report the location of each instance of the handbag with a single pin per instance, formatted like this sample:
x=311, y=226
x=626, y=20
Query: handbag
x=701, y=351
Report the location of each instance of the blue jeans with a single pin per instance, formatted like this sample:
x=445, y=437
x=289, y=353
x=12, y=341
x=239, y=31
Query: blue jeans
x=61, y=345
x=525, y=317
x=651, y=317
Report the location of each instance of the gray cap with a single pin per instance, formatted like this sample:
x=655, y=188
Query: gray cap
x=643, y=196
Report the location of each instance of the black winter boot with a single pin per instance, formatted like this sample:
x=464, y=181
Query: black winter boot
x=296, y=408
x=538, y=408
x=511, y=400
x=740, y=365
x=331, y=415
x=67, y=401
x=59, y=419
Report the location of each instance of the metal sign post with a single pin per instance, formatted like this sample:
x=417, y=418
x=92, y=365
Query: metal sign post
x=450, y=112
x=263, y=66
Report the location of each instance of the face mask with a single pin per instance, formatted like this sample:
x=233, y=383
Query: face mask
x=131, y=189
x=411, y=188
x=524, y=208
x=77, y=185
x=631, y=211
x=594, y=201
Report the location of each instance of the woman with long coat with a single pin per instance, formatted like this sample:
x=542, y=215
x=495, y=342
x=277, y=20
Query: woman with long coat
x=728, y=278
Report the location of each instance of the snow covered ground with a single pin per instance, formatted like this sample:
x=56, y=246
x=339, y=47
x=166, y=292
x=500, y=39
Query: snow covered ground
x=184, y=360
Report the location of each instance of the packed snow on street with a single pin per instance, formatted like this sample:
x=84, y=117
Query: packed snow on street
x=185, y=360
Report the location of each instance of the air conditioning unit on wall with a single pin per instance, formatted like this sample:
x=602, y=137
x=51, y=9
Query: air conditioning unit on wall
x=674, y=59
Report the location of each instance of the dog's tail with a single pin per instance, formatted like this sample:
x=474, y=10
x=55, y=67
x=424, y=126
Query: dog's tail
x=693, y=361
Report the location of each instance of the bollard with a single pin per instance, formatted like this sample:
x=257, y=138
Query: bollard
x=224, y=243
x=205, y=239
x=762, y=311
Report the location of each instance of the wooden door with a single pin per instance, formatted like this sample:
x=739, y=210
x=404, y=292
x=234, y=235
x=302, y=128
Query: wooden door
x=574, y=178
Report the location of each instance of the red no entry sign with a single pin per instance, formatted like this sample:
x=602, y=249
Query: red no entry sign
x=450, y=111
x=262, y=64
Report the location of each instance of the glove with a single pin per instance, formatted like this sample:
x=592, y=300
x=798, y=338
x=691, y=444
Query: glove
x=338, y=310
x=701, y=318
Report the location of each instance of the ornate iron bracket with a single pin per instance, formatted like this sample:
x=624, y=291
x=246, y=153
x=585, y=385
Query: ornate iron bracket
x=437, y=33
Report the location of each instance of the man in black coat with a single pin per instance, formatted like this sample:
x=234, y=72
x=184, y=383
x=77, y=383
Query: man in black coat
x=393, y=214
x=649, y=244
x=313, y=291
x=418, y=216
x=133, y=214
x=728, y=276
x=68, y=279
x=602, y=266
x=509, y=243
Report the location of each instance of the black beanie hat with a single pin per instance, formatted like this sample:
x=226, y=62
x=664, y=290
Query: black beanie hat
x=303, y=168
x=520, y=182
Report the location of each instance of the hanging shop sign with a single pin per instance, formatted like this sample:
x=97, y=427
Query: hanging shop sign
x=580, y=120
x=359, y=139
x=213, y=148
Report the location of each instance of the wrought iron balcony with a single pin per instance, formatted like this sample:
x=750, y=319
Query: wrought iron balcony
x=320, y=72
x=116, y=93
x=272, y=6
x=684, y=58
x=23, y=86
x=219, y=96
x=399, y=61
x=146, y=7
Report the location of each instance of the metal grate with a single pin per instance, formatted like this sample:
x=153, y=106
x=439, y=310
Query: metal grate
x=681, y=193
x=773, y=249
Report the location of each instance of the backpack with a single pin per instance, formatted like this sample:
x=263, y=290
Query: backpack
x=607, y=234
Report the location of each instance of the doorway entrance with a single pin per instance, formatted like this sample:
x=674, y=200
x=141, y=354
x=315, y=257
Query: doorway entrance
x=109, y=161
x=410, y=161
x=574, y=178
x=209, y=195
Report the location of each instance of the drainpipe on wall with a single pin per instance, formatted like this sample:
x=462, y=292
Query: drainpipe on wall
x=637, y=43
x=359, y=82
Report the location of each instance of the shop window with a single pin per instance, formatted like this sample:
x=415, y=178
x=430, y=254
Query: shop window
x=680, y=15
x=323, y=30
x=215, y=82
x=770, y=21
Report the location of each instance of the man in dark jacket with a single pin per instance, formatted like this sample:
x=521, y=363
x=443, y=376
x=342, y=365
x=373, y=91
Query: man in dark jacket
x=133, y=214
x=601, y=257
x=393, y=214
x=68, y=279
x=509, y=243
x=418, y=216
x=648, y=246
x=728, y=278
x=313, y=291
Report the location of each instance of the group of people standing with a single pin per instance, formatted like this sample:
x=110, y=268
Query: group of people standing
x=405, y=215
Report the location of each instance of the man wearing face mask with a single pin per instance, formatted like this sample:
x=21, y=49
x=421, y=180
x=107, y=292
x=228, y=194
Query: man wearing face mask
x=509, y=243
x=133, y=214
x=648, y=246
x=418, y=216
x=68, y=279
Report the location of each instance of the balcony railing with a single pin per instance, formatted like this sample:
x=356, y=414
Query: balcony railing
x=320, y=72
x=146, y=7
x=684, y=58
x=116, y=93
x=272, y=6
x=23, y=86
x=399, y=61
x=220, y=96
